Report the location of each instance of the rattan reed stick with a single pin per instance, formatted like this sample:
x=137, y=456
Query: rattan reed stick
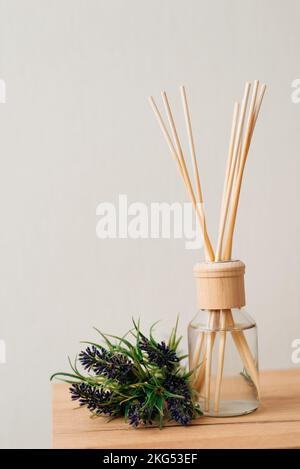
x=252, y=117
x=237, y=142
x=188, y=123
x=195, y=164
x=225, y=189
x=184, y=173
x=210, y=339
x=222, y=325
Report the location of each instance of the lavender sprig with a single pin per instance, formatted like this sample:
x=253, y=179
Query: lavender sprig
x=139, y=413
x=102, y=362
x=94, y=398
x=181, y=410
x=159, y=353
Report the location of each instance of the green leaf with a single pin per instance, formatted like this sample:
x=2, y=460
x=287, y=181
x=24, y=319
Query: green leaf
x=171, y=394
x=160, y=407
x=124, y=351
x=150, y=401
x=128, y=399
x=92, y=343
x=172, y=339
x=74, y=367
x=68, y=381
x=104, y=337
x=61, y=373
x=139, y=353
x=137, y=327
x=154, y=342
x=122, y=340
x=177, y=342
x=154, y=378
x=126, y=412
x=190, y=373
x=160, y=404
x=182, y=357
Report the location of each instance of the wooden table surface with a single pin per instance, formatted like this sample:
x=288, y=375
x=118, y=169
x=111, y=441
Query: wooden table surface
x=276, y=424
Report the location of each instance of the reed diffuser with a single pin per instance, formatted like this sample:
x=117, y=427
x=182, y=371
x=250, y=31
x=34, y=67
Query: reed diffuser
x=222, y=336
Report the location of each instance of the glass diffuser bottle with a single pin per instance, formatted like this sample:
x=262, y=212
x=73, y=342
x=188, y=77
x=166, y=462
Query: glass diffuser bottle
x=223, y=342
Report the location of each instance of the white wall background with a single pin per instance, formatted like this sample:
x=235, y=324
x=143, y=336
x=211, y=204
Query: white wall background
x=77, y=130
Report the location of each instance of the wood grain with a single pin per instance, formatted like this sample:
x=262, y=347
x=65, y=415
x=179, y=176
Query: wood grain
x=220, y=285
x=276, y=424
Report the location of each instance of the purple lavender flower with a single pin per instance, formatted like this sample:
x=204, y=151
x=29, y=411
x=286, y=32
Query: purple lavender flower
x=95, y=399
x=159, y=354
x=103, y=362
x=91, y=356
x=180, y=410
x=177, y=385
x=133, y=414
x=139, y=413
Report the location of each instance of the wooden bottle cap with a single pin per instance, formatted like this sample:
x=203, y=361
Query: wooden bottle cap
x=220, y=285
